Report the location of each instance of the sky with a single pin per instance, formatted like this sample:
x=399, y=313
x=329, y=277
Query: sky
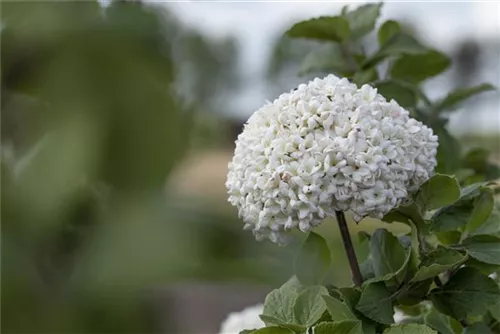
x=258, y=24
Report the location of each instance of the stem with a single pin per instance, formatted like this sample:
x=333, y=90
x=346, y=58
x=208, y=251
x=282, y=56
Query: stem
x=349, y=249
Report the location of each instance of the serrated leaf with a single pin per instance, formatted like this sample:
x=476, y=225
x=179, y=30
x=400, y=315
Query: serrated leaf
x=438, y=191
x=483, y=206
x=273, y=330
x=437, y=262
x=388, y=30
x=388, y=256
x=327, y=58
x=484, y=248
x=325, y=28
x=442, y=323
x=467, y=293
x=279, y=303
x=271, y=321
x=313, y=260
x=343, y=327
x=375, y=303
x=362, y=20
x=338, y=310
x=418, y=67
x=310, y=305
x=398, y=91
x=409, y=329
x=461, y=94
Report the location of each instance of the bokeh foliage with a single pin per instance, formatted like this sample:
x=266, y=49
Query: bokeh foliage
x=95, y=117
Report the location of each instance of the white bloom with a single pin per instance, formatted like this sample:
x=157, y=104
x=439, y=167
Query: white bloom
x=246, y=319
x=327, y=146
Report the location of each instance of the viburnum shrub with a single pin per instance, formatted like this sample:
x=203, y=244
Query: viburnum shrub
x=371, y=146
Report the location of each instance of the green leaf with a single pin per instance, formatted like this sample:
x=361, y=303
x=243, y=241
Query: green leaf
x=460, y=95
x=442, y=323
x=310, y=306
x=388, y=256
x=398, y=91
x=338, y=310
x=485, y=268
x=397, y=45
x=449, y=151
x=416, y=68
x=491, y=225
x=485, y=248
x=403, y=213
x=362, y=20
x=415, y=292
x=247, y=331
x=366, y=268
x=327, y=58
x=343, y=327
x=478, y=328
x=409, y=329
x=476, y=159
x=483, y=206
x=467, y=293
x=365, y=76
x=438, y=191
x=452, y=217
x=461, y=212
x=388, y=30
x=449, y=237
x=350, y=296
x=325, y=28
x=375, y=303
x=271, y=321
x=313, y=260
x=279, y=303
x=273, y=330
x=437, y=262
x=495, y=311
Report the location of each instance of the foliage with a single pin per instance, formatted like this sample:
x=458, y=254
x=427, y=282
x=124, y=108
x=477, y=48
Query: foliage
x=438, y=273
x=94, y=122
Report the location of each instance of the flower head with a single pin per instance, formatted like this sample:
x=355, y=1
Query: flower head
x=326, y=146
x=246, y=319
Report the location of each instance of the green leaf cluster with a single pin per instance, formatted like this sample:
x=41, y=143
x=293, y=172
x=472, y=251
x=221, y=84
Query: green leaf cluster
x=444, y=285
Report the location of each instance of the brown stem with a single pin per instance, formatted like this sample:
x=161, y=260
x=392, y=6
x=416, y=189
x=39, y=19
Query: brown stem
x=349, y=249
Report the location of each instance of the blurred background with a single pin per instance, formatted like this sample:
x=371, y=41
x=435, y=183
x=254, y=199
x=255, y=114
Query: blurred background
x=118, y=121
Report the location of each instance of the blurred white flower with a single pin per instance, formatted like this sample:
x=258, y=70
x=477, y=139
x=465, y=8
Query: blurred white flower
x=246, y=319
x=327, y=146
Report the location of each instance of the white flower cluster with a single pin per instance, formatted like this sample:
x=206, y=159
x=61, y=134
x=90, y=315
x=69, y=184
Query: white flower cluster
x=246, y=319
x=326, y=146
